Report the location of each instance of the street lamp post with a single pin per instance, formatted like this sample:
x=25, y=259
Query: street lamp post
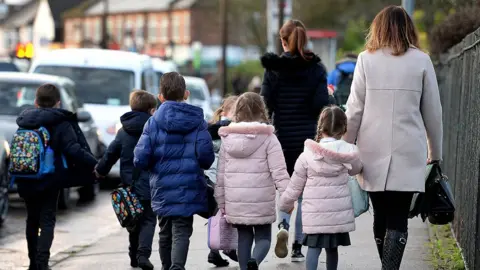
x=224, y=26
x=281, y=18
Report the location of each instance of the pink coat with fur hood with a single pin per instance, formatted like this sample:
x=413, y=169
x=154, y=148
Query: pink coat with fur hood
x=251, y=168
x=321, y=173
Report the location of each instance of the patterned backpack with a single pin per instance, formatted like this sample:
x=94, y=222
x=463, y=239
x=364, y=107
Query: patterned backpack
x=31, y=155
x=126, y=204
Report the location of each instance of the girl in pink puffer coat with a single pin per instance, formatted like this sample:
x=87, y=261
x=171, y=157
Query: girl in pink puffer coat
x=251, y=168
x=321, y=174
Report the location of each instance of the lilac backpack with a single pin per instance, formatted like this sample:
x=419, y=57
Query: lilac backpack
x=221, y=234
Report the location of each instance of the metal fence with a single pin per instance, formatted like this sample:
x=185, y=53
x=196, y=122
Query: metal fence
x=459, y=80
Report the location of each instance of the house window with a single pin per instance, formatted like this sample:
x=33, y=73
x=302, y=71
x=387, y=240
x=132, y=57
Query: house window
x=98, y=30
x=128, y=27
x=139, y=26
x=88, y=29
x=152, y=29
x=110, y=24
x=176, y=27
x=164, y=29
x=186, y=29
x=119, y=28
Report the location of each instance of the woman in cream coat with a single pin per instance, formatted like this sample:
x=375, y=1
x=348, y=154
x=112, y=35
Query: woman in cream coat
x=395, y=116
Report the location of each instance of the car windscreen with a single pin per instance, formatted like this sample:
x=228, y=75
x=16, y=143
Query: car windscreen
x=16, y=96
x=96, y=85
x=196, y=91
x=8, y=67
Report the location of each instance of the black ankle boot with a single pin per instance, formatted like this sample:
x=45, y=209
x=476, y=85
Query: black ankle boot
x=252, y=265
x=216, y=259
x=232, y=254
x=297, y=255
x=144, y=263
x=379, y=242
x=393, y=249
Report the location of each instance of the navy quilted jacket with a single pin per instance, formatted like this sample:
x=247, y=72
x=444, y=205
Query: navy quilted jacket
x=176, y=147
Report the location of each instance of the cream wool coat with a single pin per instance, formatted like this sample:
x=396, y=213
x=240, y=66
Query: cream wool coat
x=251, y=168
x=321, y=173
x=394, y=106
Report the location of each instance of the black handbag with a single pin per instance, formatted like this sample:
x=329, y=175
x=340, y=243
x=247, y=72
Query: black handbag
x=437, y=203
x=212, y=203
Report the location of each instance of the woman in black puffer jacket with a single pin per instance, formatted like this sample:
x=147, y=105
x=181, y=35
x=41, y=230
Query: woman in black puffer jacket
x=295, y=92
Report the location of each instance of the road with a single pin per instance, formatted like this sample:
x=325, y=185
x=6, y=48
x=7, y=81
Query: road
x=79, y=226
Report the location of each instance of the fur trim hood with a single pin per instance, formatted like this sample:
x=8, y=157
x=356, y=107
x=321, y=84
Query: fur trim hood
x=246, y=128
x=241, y=140
x=319, y=152
x=286, y=61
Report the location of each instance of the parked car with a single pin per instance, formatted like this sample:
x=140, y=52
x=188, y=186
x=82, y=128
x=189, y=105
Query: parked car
x=8, y=67
x=104, y=80
x=4, y=152
x=199, y=95
x=17, y=92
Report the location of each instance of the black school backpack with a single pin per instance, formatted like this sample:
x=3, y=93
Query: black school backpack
x=343, y=88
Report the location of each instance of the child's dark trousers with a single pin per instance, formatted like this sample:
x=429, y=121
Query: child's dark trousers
x=41, y=218
x=174, y=241
x=141, y=236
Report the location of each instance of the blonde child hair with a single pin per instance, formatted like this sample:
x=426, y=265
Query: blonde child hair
x=250, y=107
x=227, y=105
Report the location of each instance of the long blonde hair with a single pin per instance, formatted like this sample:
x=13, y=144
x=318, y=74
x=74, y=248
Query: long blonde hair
x=226, y=107
x=392, y=28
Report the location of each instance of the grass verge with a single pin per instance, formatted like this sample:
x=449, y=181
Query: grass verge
x=445, y=254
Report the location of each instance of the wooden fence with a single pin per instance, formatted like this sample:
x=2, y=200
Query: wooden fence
x=458, y=75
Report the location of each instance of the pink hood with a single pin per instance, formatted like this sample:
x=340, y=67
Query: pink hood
x=321, y=173
x=241, y=140
x=250, y=170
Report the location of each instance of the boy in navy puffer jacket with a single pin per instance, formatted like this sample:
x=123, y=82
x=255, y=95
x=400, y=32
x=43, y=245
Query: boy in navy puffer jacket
x=143, y=105
x=176, y=147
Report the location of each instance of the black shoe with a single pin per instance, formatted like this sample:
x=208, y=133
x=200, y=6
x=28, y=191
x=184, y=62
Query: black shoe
x=144, y=263
x=281, y=249
x=232, y=254
x=133, y=260
x=379, y=242
x=217, y=260
x=297, y=255
x=252, y=265
x=393, y=249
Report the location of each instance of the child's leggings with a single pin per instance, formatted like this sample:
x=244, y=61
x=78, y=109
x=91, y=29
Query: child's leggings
x=314, y=253
x=262, y=234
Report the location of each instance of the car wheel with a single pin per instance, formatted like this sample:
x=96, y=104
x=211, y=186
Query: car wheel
x=64, y=199
x=88, y=193
x=3, y=197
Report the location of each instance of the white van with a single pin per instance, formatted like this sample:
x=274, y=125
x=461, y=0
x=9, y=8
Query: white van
x=161, y=67
x=103, y=79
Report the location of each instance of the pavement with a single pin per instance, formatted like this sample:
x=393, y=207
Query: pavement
x=110, y=252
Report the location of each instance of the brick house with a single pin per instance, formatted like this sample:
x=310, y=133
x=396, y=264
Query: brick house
x=151, y=26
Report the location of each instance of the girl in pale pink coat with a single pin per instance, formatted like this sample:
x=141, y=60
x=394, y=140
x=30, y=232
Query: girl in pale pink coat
x=251, y=168
x=321, y=173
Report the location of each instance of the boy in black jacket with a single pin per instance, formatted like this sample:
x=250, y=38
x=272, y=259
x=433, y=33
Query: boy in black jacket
x=41, y=197
x=143, y=105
